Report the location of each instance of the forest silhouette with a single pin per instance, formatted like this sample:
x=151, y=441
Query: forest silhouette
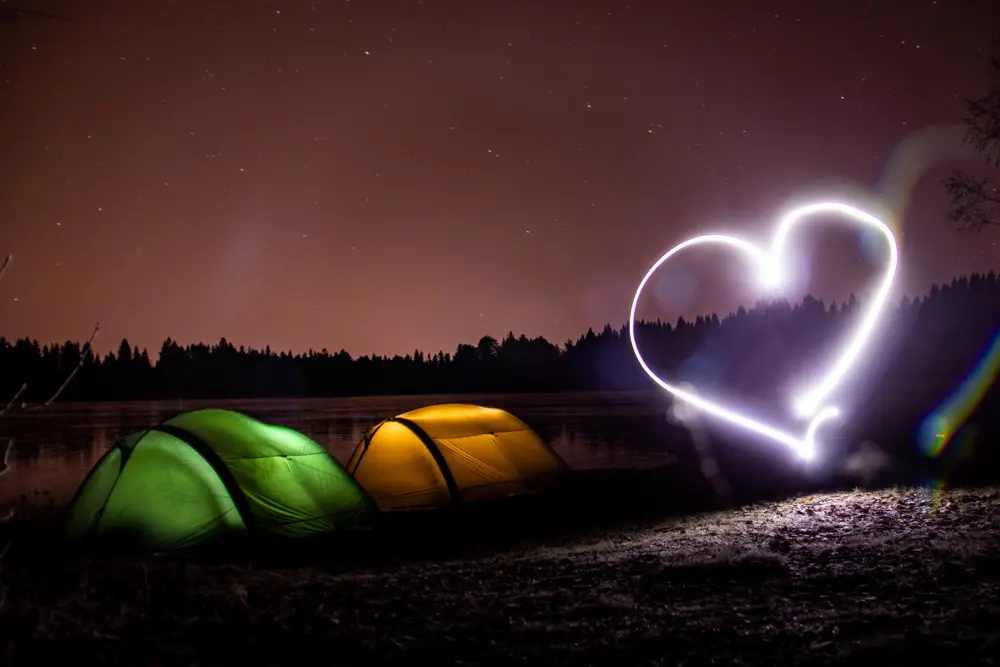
x=923, y=350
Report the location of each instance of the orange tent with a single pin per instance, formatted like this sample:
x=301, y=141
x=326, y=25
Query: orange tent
x=442, y=454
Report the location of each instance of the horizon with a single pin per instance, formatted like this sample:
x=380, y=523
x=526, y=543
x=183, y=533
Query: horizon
x=892, y=303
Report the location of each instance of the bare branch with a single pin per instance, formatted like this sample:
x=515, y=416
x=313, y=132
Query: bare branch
x=982, y=119
x=83, y=355
x=13, y=399
x=6, y=454
x=3, y=470
x=975, y=203
x=11, y=13
x=6, y=451
x=3, y=270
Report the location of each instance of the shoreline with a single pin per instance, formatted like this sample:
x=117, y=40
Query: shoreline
x=882, y=575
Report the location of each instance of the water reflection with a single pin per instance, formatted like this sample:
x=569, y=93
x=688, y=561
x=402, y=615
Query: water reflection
x=54, y=449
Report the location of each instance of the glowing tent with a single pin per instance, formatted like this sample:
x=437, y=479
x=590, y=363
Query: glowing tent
x=212, y=474
x=442, y=454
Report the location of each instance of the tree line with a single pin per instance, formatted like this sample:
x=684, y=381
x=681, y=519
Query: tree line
x=924, y=347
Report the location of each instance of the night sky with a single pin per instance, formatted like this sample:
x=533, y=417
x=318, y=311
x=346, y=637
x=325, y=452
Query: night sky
x=385, y=176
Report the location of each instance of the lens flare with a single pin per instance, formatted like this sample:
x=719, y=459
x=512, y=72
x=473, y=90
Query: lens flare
x=771, y=266
x=940, y=427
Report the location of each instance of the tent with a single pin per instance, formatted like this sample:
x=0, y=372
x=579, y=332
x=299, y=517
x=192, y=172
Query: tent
x=212, y=474
x=442, y=454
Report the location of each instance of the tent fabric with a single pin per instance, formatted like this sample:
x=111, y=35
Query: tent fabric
x=210, y=474
x=442, y=454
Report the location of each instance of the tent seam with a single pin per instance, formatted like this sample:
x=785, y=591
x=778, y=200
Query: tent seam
x=435, y=453
x=226, y=475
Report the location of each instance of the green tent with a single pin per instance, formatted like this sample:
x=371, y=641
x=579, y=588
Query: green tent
x=211, y=474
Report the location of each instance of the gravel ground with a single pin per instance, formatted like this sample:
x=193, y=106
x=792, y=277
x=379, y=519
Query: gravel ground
x=888, y=577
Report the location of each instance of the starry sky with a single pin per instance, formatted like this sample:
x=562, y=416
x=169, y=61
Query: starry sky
x=384, y=176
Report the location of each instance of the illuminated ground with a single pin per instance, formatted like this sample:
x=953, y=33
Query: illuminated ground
x=888, y=576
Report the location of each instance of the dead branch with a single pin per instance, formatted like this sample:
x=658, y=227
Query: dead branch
x=3, y=270
x=6, y=451
x=975, y=203
x=982, y=119
x=83, y=355
x=3, y=470
x=13, y=399
x=11, y=13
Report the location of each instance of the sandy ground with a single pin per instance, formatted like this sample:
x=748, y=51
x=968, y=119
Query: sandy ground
x=887, y=577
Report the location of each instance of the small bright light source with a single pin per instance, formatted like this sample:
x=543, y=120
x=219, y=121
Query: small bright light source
x=771, y=277
x=771, y=265
x=804, y=406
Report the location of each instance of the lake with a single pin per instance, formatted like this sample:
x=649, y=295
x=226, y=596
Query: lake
x=53, y=449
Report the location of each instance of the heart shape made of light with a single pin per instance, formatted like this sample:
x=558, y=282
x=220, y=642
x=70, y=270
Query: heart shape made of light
x=807, y=405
